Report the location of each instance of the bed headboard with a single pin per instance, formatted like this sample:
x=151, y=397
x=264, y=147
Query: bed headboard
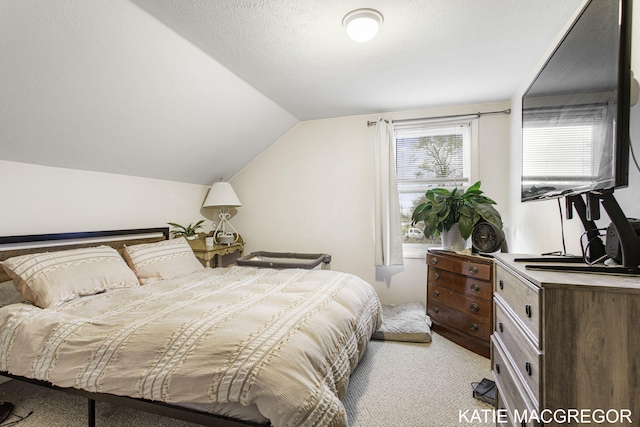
x=20, y=245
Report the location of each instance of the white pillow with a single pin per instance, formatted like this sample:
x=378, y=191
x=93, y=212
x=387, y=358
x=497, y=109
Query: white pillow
x=50, y=278
x=167, y=259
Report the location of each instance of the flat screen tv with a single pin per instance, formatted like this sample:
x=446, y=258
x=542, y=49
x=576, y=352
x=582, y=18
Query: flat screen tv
x=575, y=127
x=575, y=114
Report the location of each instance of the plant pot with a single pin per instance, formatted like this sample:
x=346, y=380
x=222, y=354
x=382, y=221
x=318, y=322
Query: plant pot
x=452, y=240
x=194, y=237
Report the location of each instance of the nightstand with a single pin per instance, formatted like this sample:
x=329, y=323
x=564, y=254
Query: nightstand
x=460, y=298
x=215, y=253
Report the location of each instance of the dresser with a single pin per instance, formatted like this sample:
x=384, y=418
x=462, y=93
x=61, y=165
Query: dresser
x=459, y=298
x=565, y=342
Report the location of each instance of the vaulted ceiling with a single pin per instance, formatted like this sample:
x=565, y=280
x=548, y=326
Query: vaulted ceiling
x=193, y=90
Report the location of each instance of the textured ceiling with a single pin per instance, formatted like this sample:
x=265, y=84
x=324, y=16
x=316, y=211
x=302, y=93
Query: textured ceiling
x=193, y=90
x=427, y=53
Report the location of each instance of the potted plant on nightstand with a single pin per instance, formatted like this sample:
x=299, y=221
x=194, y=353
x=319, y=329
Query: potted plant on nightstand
x=455, y=213
x=190, y=231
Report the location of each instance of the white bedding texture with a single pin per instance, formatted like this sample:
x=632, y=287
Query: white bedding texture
x=281, y=341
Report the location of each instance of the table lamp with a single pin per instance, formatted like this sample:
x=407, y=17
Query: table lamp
x=221, y=195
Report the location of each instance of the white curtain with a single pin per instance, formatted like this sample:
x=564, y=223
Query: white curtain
x=388, y=233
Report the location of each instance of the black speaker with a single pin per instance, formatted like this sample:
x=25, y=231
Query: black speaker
x=612, y=246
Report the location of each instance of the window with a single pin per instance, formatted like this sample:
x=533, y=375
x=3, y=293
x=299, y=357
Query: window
x=432, y=154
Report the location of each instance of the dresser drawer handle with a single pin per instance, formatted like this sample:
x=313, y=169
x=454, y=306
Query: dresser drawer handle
x=436, y=310
x=434, y=260
x=527, y=310
x=436, y=276
x=473, y=269
x=527, y=367
x=497, y=368
x=475, y=288
x=473, y=327
x=474, y=308
x=501, y=284
x=500, y=327
x=436, y=293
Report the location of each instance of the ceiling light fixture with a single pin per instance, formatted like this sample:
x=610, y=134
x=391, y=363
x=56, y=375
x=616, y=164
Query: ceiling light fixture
x=362, y=24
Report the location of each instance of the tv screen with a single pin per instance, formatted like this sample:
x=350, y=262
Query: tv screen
x=575, y=114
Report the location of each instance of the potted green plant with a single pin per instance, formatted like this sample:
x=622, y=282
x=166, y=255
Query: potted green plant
x=445, y=210
x=190, y=231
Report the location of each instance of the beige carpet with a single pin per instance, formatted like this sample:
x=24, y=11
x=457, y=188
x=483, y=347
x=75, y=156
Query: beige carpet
x=395, y=385
x=416, y=385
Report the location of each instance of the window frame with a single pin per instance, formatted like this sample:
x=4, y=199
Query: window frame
x=419, y=250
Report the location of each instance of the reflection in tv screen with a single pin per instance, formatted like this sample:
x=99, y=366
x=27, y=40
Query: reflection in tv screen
x=570, y=139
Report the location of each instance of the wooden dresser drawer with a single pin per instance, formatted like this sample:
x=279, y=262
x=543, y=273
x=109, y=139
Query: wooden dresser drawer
x=464, y=322
x=501, y=407
x=460, y=298
x=468, y=267
x=510, y=391
x=578, y=333
x=463, y=284
x=461, y=302
x=525, y=357
x=523, y=298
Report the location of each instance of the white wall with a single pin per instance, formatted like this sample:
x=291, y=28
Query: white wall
x=312, y=191
x=41, y=199
x=534, y=227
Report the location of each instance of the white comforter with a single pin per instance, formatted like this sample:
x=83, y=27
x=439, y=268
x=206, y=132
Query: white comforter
x=284, y=340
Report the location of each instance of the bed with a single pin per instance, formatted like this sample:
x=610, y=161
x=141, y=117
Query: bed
x=132, y=318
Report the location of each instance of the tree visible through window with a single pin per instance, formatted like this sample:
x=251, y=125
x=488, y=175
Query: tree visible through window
x=442, y=155
x=427, y=156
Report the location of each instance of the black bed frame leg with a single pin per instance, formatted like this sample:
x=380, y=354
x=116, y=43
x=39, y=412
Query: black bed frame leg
x=91, y=421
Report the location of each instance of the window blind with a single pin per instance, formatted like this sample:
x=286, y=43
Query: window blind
x=434, y=154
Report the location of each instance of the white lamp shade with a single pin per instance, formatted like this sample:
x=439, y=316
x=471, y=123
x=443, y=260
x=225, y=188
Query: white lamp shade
x=221, y=194
x=362, y=24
